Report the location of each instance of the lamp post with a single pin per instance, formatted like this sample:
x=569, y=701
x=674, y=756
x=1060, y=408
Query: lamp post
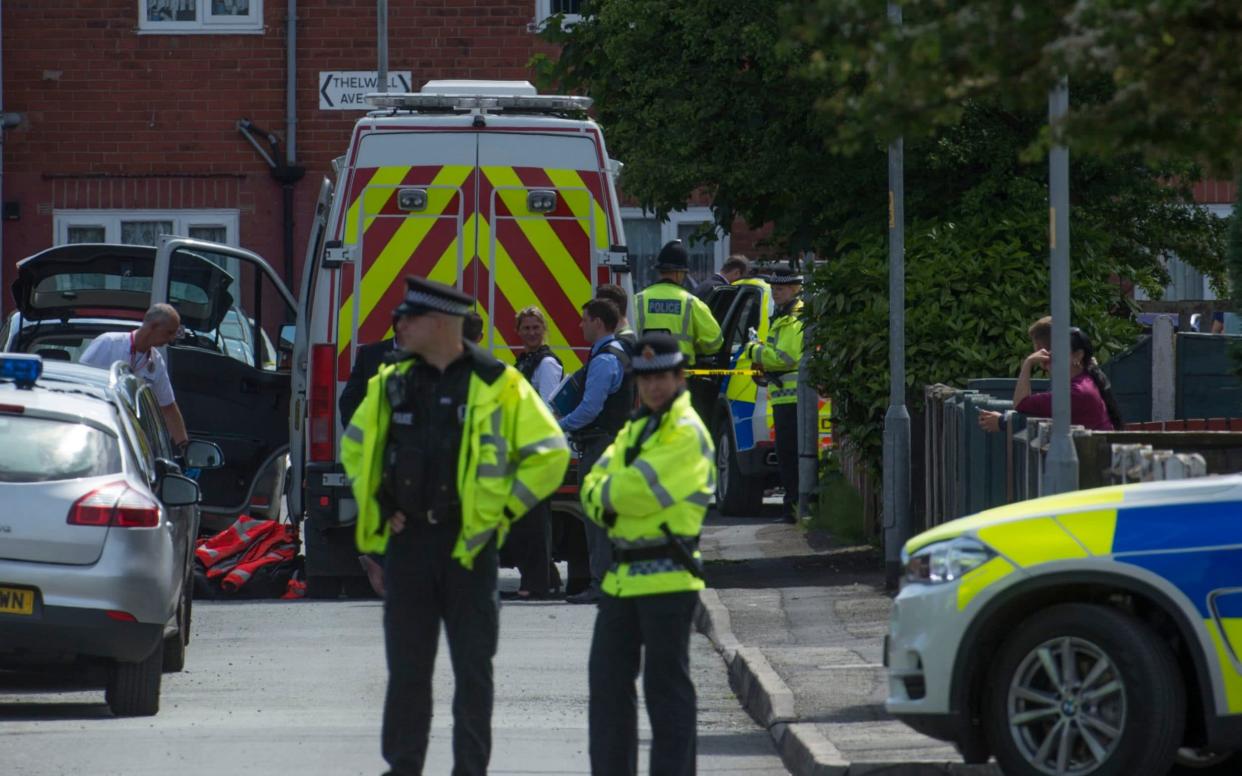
x=1061, y=465
x=897, y=527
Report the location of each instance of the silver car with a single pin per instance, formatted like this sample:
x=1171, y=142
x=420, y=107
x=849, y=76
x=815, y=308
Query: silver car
x=97, y=527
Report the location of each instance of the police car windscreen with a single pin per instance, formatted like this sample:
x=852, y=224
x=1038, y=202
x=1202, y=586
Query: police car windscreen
x=44, y=450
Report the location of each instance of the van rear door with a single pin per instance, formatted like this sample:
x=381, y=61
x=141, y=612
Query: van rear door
x=411, y=204
x=543, y=234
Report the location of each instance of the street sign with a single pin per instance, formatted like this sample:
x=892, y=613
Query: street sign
x=345, y=89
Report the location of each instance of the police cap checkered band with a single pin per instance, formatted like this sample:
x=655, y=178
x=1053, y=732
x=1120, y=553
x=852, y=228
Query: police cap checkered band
x=656, y=353
x=424, y=296
x=785, y=280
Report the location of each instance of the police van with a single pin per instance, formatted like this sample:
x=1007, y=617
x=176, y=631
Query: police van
x=488, y=186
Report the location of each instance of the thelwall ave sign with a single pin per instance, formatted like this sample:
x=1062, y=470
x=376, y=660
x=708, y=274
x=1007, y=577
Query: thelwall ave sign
x=345, y=89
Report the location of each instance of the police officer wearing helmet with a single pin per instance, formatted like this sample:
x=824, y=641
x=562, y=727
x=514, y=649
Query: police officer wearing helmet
x=666, y=306
x=779, y=357
x=650, y=489
x=448, y=448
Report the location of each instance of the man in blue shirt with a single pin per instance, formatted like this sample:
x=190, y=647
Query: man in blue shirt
x=607, y=400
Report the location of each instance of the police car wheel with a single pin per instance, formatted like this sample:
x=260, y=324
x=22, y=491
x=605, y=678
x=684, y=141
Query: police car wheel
x=1084, y=689
x=736, y=494
x=1197, y=762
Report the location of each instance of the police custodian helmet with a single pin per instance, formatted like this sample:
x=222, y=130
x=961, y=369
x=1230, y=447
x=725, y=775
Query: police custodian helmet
x=673, y=257
x=424, y=296
x=656, y=352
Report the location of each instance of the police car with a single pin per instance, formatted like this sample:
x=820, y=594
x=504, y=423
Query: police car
x=1095, y=632
x=97, y=530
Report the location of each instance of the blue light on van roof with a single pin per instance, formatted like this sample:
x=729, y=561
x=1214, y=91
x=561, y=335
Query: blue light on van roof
x=21, y=368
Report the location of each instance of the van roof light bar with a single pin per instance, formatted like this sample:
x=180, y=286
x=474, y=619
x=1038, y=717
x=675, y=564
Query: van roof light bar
x=520, y=103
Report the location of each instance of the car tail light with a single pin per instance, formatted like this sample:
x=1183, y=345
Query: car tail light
x=321, y=411
x=115, y=504
x=12, y=409
x=120, y=616
x=136, y=511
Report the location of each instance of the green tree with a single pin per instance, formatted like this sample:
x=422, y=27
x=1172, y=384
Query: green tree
x=1163, y=77
x=725, y=98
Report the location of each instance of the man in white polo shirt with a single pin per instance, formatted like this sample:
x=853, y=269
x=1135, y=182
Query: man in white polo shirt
x=140, y=349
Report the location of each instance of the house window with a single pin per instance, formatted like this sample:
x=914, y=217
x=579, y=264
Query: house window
x=200, y=16
x=143, y=227
x=571, y=10
x=644, y=236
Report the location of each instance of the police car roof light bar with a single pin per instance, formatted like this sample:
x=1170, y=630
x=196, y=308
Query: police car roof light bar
x=22, y=368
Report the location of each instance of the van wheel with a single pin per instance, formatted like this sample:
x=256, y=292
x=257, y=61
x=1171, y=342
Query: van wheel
x=134, y=688
x=736, y=494
x=1080, y=688
x=174, y=645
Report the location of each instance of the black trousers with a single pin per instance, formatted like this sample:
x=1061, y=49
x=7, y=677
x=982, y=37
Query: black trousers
x=785, y=419
x=424, y=585
x=653, y=630
x=529, y=547
x=599, y=546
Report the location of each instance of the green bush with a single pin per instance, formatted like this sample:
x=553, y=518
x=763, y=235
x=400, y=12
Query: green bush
x=972, y=288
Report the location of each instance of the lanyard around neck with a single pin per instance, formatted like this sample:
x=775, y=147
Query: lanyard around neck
x=134, y=363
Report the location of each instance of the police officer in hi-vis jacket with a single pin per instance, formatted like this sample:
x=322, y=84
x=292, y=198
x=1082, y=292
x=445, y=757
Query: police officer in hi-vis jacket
x=666, y=306
x=650, y=489
x=448, y=448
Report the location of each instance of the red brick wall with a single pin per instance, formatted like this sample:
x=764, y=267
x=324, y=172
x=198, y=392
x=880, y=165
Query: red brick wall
x=117, y=119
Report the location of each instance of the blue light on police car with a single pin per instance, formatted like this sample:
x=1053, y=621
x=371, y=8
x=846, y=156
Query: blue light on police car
x=21, y=368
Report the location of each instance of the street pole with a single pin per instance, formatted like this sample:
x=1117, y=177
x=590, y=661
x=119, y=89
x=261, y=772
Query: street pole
x=897, y=527
x=381, y=37
x=1061, y=465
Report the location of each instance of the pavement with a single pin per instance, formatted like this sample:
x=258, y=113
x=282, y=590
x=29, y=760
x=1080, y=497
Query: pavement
x=800, y=621
x=296, y=687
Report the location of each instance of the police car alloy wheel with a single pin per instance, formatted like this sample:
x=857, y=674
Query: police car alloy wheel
x=1084, y=690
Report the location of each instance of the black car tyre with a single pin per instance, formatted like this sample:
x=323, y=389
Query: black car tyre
x=1192, y=762
x=736, y=494
x=134, y=688
x=1084, y=690
x=174, y=645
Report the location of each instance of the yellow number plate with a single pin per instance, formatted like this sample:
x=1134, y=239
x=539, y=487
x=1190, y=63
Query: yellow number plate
x=16, y=601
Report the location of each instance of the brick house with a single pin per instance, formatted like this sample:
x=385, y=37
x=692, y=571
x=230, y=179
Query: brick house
x=130, y=112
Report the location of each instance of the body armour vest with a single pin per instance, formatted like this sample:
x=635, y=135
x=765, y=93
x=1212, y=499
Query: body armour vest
x=528, y=362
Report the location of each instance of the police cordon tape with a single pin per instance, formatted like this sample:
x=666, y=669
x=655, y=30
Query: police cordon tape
x=751, y=372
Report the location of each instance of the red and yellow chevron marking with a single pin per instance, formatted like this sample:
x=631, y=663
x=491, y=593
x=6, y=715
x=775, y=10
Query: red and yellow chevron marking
x=537, y=259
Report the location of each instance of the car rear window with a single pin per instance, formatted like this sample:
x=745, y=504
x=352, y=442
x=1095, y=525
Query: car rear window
x=42, y=450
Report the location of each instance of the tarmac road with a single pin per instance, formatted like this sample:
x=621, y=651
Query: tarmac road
x=296, y=688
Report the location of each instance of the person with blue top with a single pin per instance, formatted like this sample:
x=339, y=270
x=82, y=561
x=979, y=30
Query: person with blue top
x=607, y=400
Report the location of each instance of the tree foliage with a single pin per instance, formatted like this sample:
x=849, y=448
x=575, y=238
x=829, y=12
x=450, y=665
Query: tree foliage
x=762, y=111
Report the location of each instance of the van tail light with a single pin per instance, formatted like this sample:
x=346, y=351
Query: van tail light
x=115, y=504
x=322, y=413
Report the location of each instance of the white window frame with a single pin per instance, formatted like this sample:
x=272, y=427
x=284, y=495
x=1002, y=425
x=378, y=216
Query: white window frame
x=543, y=12
x=690, y=216
x=205, y=23
x=110, y=221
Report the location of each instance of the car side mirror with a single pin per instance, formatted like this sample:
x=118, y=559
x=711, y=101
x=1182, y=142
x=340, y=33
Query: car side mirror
x=200, y=454
x=176, y=490
x=288, y=333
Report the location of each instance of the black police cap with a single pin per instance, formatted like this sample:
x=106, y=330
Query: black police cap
x=673, y=256
x=656, y=352
x=427, y=296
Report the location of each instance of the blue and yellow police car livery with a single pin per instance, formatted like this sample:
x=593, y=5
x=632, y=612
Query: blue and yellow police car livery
x=1095, y=632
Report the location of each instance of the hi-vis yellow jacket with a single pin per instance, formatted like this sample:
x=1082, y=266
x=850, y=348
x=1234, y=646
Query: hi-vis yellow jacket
x=666, y=306
x=670, y=482
x=779, y=356
x=513, y=455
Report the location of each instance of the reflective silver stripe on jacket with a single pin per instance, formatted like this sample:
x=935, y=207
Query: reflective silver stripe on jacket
x=503, y=466
x=524, y=495
x=542, y=446
x=354, y=433
x=664, y=498
x=635, y=544
x=605, y=496
x=479, y=539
